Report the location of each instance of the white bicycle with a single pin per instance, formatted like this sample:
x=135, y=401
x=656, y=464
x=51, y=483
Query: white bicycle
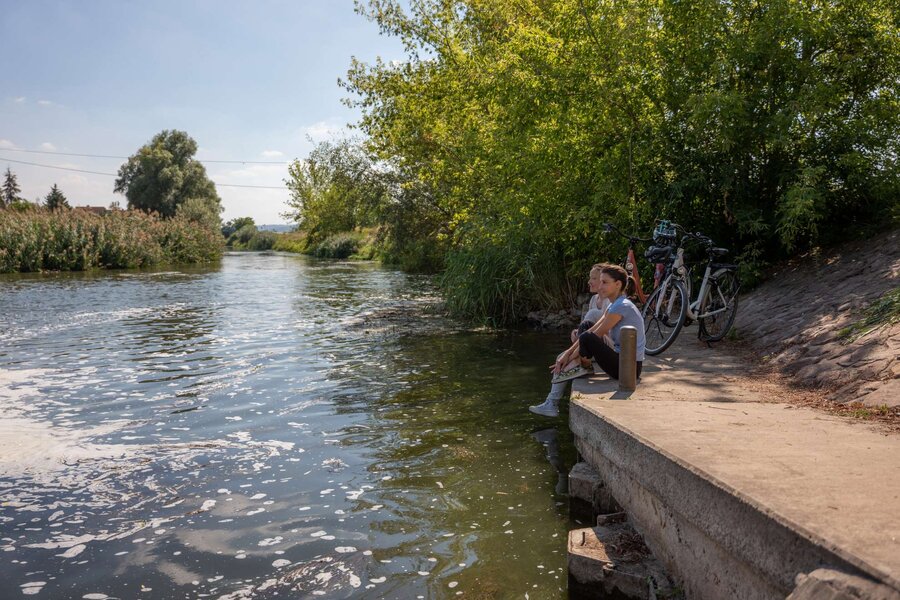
x=668, y=308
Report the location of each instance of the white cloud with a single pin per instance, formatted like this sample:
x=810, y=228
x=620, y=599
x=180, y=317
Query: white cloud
x=48, y=146
x=272, y=153
x=323, y=130
x=45, y=103
x=19, y=99
x=6, y=144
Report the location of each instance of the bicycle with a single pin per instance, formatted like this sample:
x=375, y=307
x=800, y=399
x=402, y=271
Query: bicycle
x=669, y=308
x=640, y=297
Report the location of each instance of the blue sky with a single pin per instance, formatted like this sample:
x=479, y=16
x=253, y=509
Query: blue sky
x=247, y=80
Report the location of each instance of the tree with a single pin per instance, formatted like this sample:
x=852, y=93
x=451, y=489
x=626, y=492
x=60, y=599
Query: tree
x=336, y=189
x=201, y=210
x=773, y=127
x=163, y=174
x=9, y=194
x=235, y=224
x=56, y=199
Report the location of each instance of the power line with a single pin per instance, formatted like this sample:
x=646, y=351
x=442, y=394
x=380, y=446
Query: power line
x=233, y=162
x=22, y=162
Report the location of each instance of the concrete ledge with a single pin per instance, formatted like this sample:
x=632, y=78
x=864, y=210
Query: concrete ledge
x=737, y=499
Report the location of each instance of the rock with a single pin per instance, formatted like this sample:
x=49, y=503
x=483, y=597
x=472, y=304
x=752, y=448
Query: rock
x=835, y=585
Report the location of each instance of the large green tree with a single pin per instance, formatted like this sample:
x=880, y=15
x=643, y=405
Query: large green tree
x=772, y=126
x=56, y=199
x=163, y=174
x=9, y=193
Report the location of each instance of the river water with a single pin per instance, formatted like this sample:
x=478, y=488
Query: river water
x=271, y=427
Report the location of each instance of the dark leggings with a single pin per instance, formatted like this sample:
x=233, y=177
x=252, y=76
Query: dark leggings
x=590, y=345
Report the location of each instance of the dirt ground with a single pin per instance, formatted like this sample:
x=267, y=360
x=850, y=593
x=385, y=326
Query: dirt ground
x=806, y=327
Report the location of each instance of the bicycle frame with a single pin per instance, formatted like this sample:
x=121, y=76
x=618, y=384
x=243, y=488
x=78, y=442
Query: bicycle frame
x=695, y=308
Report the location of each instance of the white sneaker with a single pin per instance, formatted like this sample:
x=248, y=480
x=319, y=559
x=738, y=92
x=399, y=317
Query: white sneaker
x=547, y=409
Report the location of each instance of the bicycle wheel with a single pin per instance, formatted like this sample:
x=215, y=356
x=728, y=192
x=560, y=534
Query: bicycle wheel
x=664, y=315
x=722, y=302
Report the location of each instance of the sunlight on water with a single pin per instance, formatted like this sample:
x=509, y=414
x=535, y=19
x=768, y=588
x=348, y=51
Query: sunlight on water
x=272, y=427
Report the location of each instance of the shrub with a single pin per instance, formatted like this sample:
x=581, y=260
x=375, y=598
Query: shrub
x=262, y=240
x=291, y=242
x=339, y=245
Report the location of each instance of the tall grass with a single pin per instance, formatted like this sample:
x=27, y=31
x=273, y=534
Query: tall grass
x=78, y=240
x=498, y=285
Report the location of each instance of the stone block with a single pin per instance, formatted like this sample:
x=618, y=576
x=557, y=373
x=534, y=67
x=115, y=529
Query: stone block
x=612, y=563
x=829, y=584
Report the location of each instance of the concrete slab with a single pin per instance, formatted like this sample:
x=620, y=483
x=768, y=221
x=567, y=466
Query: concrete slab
x=778, y=490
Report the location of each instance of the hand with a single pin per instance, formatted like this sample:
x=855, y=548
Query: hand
x=558, y=365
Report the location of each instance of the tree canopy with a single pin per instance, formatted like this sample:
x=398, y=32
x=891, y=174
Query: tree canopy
x=163, y=174
x=336, y=188
x=774, y=127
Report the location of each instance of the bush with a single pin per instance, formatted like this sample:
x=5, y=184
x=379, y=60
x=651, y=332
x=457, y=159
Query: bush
x=499, y=284
x=339, y=245
x=291, y=242
x=263, y=240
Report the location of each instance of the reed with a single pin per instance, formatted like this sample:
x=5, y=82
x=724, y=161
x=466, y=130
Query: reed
x=78, y=240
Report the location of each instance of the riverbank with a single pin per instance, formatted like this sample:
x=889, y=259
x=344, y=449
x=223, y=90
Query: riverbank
x=830, y=322
x=735, y=489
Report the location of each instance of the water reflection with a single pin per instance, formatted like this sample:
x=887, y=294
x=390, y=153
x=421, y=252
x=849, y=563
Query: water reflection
x=275, y=426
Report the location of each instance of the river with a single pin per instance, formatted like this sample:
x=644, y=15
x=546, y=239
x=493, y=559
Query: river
x=271, y=427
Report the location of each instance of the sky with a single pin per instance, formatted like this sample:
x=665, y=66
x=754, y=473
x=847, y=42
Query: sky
x=249, y=81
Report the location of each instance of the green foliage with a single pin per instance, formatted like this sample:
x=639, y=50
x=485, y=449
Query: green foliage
x=203, y=211
x=40, y=240
x=340, y=245
x=248, y=237
x=233, y=225
x=499, y=284
x=56, y=200
x=336, y=189
x=883, y=312
x=9, y=193
x=513, y=130
x=163, y=174
x=291, y=242
x=262, y=240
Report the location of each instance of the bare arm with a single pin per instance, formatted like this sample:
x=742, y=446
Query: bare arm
x=600, y=328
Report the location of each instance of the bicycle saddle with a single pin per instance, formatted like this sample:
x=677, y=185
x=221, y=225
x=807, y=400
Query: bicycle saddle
x=657, y=254
x=718, y=251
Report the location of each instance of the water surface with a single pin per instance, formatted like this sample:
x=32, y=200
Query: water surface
x=274, y=426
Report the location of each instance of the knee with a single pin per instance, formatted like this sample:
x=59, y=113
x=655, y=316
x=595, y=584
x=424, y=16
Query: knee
x=588, y=337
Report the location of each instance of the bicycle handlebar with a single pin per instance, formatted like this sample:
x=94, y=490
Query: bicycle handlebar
x=631, y=238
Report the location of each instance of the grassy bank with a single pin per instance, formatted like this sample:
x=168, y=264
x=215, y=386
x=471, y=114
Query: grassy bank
x=357, y=245
x=77, y=240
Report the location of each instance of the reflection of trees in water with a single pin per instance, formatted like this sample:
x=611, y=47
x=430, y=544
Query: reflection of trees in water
x=173, y=325
x=176, y=337
x=451, y=430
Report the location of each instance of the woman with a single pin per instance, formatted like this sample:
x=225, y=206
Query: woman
x=601, y=341
x=596, y=308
